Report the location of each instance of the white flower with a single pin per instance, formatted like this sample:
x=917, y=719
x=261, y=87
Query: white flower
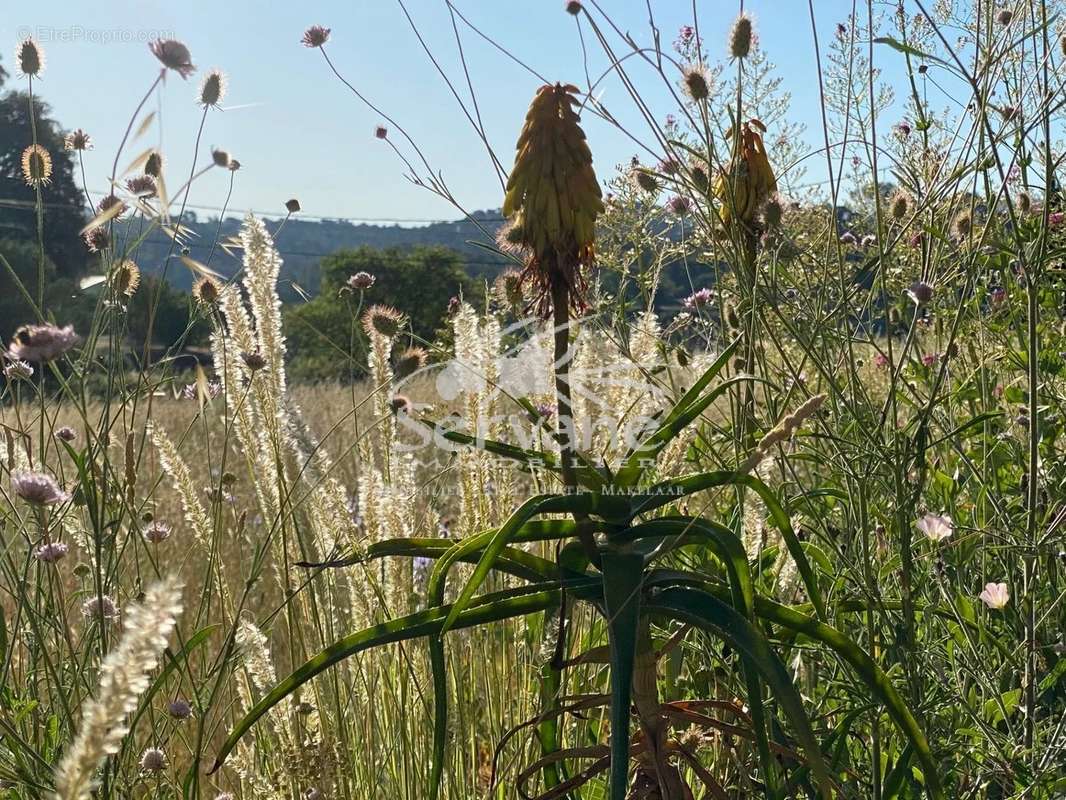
x=937, y=527
x=995, y=595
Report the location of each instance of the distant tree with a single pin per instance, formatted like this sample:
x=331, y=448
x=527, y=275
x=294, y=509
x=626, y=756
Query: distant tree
x=61, y=299
x=172, y=317
x=325, y=338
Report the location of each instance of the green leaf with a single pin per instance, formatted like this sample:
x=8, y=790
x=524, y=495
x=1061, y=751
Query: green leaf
x=490, y=608
x=906, y=49
x=703, y=610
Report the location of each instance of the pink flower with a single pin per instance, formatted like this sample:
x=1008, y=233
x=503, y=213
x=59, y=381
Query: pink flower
x=1056, y=218
x=937, y=527
x=995, y=595
x=930, y=359
x=880, y=361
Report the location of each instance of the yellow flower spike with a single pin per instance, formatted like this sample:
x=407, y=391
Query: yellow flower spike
x=748, y=180
x=553, y=197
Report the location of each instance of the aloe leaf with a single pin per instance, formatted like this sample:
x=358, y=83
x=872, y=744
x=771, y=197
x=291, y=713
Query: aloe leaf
x=705, y=611
x=490, y=608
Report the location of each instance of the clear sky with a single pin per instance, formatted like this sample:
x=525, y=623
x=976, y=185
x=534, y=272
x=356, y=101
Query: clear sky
x=299, y=132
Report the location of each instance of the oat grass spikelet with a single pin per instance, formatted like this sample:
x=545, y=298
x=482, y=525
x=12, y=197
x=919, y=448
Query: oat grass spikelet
x=36, y=166
x=553, y=196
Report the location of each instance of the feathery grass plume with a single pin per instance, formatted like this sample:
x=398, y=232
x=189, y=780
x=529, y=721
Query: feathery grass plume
x=36, y=166
x=178, y=471
x=748, y=179
x=123, y=679
x=783, y=432
x=30, y=58
x=262, y=265
x=553, y=196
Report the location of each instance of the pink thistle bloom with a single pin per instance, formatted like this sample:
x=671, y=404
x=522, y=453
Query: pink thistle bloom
x=930, y=359
x=1056, y=218
x=880, y=360
x=995, y=595
x=38, y=488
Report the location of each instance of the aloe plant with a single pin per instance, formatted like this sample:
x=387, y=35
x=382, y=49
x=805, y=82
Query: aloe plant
x=631, y=584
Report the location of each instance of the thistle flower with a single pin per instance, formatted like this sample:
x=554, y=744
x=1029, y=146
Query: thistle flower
x=206, y=290
x=213, y=88
x=18, y=370
x=899, y=206
x=936, y=526
x=66, y=434
x=553, y=196
x=384, y=320
x=100, y=607
x=740, y=37
x=698, y=299
x=748, y=179
x=77, y=139
x=698, y=176
x=773, y=211
x=381, y=132
x=50, y=552
x=174, y=55
x=30, y=57
x=142, y=186
x=156, y=532
x=179, y=709
x=97, y=239
x=153, y=760
x=221, y=158
x=409, y=362
x=509, y=289
x=695, y=79
x=1004, y=17
x=255, y=361
x=126, y=278
x=45, y=342
x=646, y=181
x=153, y=165
x=36, y=166
x=920, y=292
x=361, y=281
x=679, y=205
x=995, y=595
x=292, y=205
x=315, y=36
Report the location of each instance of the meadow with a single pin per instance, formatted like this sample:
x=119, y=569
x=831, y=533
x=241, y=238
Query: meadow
x=801, y=537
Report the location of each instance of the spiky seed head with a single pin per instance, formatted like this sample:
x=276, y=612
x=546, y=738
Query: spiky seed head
x=900, y=206
x=142, y=186
x=409, y=362
x=109, y=202
x=127, y=277
x=153, y=165
x=30, y=57
x=153, y=760
x=234, y=165
x=773, y=211
x=921, y=292
x=66, y=434
x=50, y=552
x=254, y=360
x=646, y=181
x=97, y=239
x=179, y=709
x=292, y=205
x=740, y=37
x=38, y=488
x=361, y=281
x=963, y=224
x=100, y=607
x=573, y=7
x=213, y=88
x=18, y=371
x=77, y=139
x=315, y=36
x=400, y=404
x=36, y=166
x=1025, y=202
x=381, y=132
x=383, y=320
x=696, y=83
x=679, y=205
x=221, y=158
x=157, y=531
x=206, y=290
x=509, y=289
x=553, y=196
x=699, y=178
x=1004, y=16
x=174, y=55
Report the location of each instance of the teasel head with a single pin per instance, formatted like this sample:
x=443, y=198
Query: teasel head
x=740, y=37
x=213, y=88
x=126, y=278
x=30, y=57
x=553, y=197
x=77, y=140
x=748, y=180
x=900, y=206
x=36, y=166
x=153, y=165
x=206, y=290
x=409, y=362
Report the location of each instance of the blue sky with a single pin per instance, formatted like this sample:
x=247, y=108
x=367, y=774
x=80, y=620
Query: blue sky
x=299, y=133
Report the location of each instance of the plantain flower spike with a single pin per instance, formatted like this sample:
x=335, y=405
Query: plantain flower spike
x=553, y=197
x=748, y=180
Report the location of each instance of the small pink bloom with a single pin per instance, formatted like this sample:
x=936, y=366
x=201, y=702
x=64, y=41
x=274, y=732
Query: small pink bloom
x=995, y=595
x=881, y=360
x=930, y=359
x=937, y=527
x=1056, y=218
